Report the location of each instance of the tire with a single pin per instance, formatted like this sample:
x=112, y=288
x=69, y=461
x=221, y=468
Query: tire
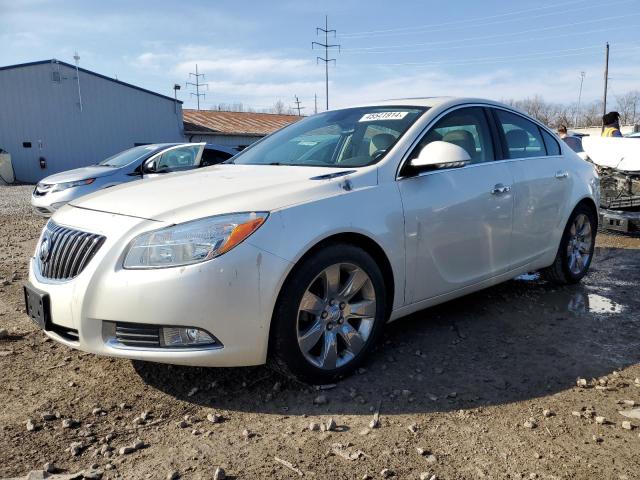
x=346, y=329
x=564, y=271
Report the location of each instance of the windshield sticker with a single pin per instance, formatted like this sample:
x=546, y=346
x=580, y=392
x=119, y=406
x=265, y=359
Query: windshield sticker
x=370, y=117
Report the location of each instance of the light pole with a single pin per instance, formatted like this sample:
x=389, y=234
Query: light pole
x=582, y=75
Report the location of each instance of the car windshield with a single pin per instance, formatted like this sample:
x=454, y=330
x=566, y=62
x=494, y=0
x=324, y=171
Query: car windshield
x=125, y=158
x=352, y=137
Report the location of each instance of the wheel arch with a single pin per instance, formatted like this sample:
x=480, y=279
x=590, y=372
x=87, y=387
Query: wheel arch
x=590, y=204
x=352, y=238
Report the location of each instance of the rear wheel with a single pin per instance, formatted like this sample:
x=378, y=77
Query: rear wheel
x=576, y=248
x=329, y=314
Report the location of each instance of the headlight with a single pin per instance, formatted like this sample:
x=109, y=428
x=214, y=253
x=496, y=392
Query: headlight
x=192, y=242
x=58, y=187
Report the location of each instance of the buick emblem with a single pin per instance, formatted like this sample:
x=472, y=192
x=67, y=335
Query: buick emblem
x=44, y=249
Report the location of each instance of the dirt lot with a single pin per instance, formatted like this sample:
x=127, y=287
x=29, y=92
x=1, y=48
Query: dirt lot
x=485, y=386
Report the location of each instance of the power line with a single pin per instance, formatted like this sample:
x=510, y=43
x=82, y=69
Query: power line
x=298, y=107
x=456, y=22
x=498, y=35
x=487, y=24
x=380, y=50
x=491, y=60
x=197, y=84
x=326, y=58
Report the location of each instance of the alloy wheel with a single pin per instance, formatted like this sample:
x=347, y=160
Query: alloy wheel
x=579, y=245
x=336, y=316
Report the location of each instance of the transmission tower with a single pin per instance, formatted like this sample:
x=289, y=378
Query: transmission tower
x=298, y=107
x=326, y=45
x=197, y=84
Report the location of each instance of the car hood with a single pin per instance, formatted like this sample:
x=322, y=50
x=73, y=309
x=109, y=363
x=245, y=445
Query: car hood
x=613, y=152
x=79, y=174
x=228, y=188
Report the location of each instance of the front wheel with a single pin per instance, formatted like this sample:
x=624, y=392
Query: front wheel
x=576, y=248
x=329, y=314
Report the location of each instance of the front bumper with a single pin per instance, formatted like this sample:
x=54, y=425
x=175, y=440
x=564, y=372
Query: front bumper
x=231, y=296
x=620, y=220
x=47, y=203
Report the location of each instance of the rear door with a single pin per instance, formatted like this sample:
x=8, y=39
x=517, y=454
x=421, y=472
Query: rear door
x=541, y=187
x=212, y=156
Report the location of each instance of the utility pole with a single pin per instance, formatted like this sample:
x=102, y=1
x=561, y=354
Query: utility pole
x=606, y=80
x=197, y=84
x=298, y=107
x=582, y=75
x=315, y=103
x=326, y=58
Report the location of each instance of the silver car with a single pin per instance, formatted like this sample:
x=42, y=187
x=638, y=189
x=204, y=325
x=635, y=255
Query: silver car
x=144, y=161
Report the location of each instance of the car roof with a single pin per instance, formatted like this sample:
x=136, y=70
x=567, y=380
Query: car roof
x=214, y=146
x=437, y=102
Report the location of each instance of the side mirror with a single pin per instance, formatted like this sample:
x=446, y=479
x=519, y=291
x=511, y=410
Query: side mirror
x=148, y=167
x=441, y=154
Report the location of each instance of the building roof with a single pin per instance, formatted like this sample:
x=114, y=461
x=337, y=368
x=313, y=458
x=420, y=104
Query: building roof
x=84, y=70
x=234, y=123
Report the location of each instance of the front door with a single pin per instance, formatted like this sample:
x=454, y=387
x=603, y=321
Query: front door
x=174, y=159
x=457, y=221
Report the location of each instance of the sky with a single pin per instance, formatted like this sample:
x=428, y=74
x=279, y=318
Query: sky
x=258, y=52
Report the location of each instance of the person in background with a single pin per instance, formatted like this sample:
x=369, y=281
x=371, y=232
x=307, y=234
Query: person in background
x=611, y=122
x=562, y=131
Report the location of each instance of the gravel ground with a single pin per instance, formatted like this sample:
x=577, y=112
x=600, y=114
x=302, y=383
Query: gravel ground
x=523, y=380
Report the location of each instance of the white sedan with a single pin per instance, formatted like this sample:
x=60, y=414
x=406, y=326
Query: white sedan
x=302, y=247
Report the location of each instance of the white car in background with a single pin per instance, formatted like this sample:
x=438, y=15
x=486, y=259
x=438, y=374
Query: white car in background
x=304, y=245
x=146, y=161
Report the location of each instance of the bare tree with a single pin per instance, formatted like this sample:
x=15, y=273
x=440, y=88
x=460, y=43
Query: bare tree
x=280, y=107
x=592, y=114
x=628, y=106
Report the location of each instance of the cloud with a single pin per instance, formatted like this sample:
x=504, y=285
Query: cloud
x=560, y=85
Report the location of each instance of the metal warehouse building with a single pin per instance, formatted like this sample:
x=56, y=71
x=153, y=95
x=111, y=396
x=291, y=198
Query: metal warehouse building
x=54, y=117
x=233, y=129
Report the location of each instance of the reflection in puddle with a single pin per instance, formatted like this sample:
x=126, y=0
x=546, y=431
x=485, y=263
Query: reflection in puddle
x=582, y=302
x=528, y=277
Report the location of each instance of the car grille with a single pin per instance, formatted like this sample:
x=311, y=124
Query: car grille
x=42, y=189
x=137, y=335
x=67, y=252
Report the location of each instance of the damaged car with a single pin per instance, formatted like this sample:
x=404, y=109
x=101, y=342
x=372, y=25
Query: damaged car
x=301, y=248
x=618, y=163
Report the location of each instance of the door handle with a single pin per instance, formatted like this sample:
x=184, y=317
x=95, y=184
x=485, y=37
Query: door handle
x=499, y=189
x=560, y=174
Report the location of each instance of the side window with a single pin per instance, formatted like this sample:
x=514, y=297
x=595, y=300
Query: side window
x=574, y=143
x=553, y=148
x=522, y=137
x=213, y=157
x=467, y=128
x=177, y=158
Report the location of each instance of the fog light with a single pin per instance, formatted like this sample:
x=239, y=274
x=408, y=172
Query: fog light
x=185, y=337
